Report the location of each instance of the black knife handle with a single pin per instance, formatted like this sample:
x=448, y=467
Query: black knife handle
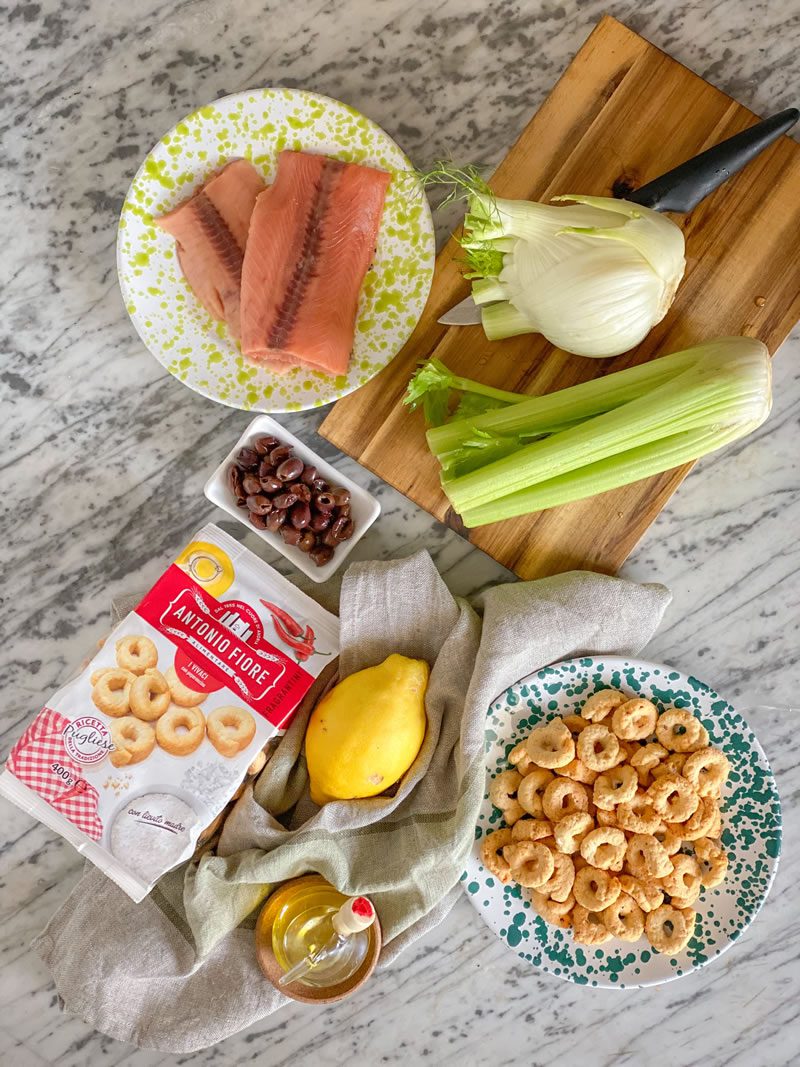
x=684, y=187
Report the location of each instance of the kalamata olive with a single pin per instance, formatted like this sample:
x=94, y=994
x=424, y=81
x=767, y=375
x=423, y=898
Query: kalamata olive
x=321, y=554
x=340, y=495
x=284, y=500
x=259, y=504
x=343, y=509
x=259, y=521
x=290, y=469
x=301, y=491
x=279, y=454
x=265, y=468
x=290, y=535
x=309, y=474
x=347, y=530
x=251, y=484
x=338, y=528
x=307, y=541
x=270, y=484
x=300, y=516
x=323, y=502
x=235, y=484
x=265, y=444
x=320, y=520
x=247, y=458
x=276, y=519
x=327, y=538
x=319, y=485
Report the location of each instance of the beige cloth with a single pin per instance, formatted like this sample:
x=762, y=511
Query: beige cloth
x=178, y=972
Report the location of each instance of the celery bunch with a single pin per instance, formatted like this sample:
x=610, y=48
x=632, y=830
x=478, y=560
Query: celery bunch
x=529, y=453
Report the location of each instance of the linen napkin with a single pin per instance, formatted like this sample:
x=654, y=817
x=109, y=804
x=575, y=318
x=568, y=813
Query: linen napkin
x=178, y=971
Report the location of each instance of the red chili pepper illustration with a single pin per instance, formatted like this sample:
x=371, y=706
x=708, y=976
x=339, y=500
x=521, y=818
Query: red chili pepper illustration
x=291, y=625
x=292, y=633
x=287, y=638
x=305, y=649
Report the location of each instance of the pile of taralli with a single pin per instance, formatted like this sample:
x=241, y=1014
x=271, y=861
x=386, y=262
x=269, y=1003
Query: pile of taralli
x=150, y=708
x=612, y=820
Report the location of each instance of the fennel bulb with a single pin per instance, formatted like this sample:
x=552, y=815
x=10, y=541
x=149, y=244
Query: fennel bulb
x=593, y=276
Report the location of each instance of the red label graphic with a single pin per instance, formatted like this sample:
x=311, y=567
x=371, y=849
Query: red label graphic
x=226, y=641
x=193, y=675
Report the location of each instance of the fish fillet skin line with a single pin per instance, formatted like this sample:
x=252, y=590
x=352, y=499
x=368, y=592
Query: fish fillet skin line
x=312, y=238
x=210, y=231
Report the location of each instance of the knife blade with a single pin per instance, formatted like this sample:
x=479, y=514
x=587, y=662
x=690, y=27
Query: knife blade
x=680, y=189
x=465, y=313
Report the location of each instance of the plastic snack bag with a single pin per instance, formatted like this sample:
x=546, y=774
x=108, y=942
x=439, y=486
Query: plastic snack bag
x=134, y=757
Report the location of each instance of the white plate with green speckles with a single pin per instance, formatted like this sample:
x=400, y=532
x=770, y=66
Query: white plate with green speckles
x=751, y=821
x=257, y=125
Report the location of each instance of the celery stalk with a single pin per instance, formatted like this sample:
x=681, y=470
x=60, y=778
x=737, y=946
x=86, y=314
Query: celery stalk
x=543, y=414
x=609, y=473
x=726, y=388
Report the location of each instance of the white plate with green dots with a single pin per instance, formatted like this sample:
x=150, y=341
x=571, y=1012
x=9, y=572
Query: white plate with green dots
x=751, y=822
x=257, y=125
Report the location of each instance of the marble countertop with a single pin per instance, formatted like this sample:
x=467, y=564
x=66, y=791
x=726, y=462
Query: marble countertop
x=104, y=459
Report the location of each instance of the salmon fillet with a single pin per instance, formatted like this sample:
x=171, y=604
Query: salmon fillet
x=311, y=240
x=210, y=230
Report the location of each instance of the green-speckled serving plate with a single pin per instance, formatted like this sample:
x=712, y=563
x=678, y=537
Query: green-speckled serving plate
x=257, y=125
x=751, y=826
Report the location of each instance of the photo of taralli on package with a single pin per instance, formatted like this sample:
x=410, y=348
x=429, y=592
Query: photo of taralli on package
x=401, y=603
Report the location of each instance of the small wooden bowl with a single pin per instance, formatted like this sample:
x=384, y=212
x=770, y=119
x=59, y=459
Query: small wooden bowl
x=272, y=970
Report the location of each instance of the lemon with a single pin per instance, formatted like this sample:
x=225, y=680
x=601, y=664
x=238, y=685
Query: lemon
x=365, y=734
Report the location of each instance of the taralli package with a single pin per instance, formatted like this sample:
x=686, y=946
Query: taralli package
x=132, y=759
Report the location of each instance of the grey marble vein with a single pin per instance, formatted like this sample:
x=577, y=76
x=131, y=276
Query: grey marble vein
x=104, y=457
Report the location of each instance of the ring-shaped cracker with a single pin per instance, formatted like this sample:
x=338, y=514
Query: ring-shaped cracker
x=136, y=653
x=647, y=858
x=673, y=798
x=595, y=889
x=601, y=704
x=588, y=927
x=669, y=929
x=598, y=749
x=635, y=719
x=134, y=741
x=531, y=863
x=679, y=731
x=492, y=855
x=712, y=861
x=615, y=786
x=503, y=795
x=604, y=848
x=180, y=731
x=551, y=745
x=531, y=790
x=563, y=797
x=646, y=894
x=624, y=918
x=707, y=770
x=112, y=693
x=150, y=696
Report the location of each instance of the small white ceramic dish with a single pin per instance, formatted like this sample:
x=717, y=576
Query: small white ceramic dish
x=364, y=507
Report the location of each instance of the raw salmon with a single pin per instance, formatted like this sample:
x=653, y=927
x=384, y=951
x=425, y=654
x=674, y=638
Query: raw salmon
x=210, y=229
x=312, y=237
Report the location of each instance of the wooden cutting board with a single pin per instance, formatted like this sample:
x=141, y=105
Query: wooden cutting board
x=622, y=113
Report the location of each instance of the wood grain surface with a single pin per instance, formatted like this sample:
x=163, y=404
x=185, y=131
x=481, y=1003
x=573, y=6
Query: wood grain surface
x=622, y=113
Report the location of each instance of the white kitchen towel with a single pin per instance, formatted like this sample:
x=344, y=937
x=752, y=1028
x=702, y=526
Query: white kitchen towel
x=178, y=971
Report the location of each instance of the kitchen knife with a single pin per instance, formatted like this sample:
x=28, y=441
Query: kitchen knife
x=680, y=189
